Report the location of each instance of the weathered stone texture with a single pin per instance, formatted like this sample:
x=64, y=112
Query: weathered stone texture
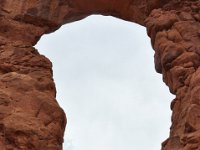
x=30, y=117
x=175, y=36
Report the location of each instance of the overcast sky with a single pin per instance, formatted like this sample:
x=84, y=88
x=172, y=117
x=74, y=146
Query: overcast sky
x=107, y=85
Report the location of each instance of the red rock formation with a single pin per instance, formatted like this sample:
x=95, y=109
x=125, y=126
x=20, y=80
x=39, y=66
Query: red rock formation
x=30, y=117
x=175, y=35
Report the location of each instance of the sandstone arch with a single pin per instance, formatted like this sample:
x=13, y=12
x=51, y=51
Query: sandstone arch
x=30, y=115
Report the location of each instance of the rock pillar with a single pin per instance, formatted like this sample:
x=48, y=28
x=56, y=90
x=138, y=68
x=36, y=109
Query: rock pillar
x=175, y=36
x=30, y=117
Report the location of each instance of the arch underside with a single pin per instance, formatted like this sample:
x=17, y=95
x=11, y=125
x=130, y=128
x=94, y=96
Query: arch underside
x=30, y=117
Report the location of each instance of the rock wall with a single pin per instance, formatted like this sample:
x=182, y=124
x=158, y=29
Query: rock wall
x=30, y=117
x=175, y=36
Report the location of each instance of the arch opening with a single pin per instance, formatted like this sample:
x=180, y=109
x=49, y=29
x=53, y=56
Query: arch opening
x=113, y=71
x=28, y=91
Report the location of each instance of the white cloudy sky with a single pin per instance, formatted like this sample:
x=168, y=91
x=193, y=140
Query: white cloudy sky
x=107, y=85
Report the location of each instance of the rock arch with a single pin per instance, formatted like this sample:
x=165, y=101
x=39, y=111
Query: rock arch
x=30, y=116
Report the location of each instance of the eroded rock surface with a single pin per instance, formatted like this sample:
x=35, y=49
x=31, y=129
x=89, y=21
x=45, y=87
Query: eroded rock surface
x=30, y=117
x=174, y=32
x=27, y=20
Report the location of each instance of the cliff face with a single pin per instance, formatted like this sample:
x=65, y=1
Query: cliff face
x=30, y=117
